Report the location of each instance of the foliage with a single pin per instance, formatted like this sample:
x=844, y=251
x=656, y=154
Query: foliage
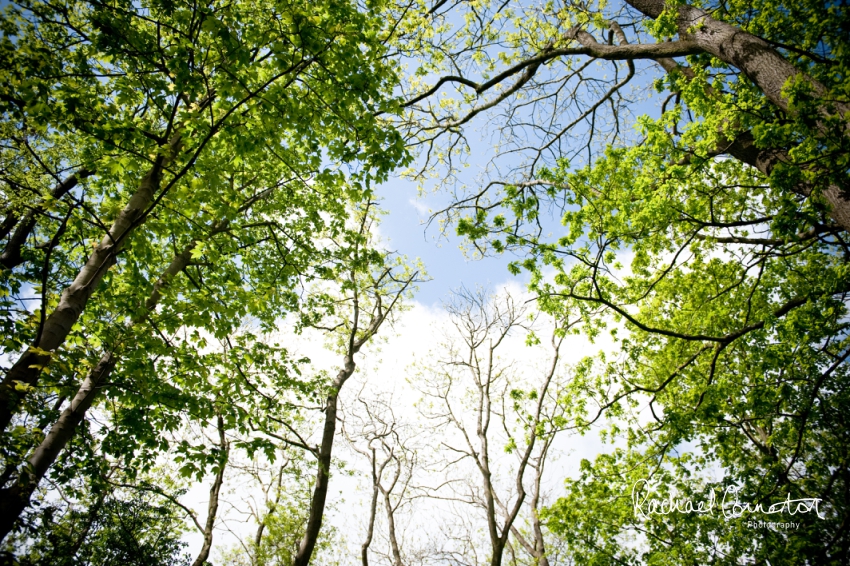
x=181, y=180
x=132, y=528
x=710, y=242
x=178, y=179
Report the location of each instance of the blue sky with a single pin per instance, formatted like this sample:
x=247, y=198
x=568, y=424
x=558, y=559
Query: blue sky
x=405, y=224
x=404, y=227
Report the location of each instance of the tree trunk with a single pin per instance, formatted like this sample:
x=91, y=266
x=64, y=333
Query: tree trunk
x=320, y=492
x=391, y=524
x=483, y=382
x=74, y=298
x=759, y=62
x=11, y=256
x=744, y=149
x=358, y=336
x=212, y=507
x=539, y=542
x=364, y=548
x=14, y=500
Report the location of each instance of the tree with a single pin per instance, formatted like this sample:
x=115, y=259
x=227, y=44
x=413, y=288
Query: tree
x=208, y=526
x=271, y=497
x=375, y=432
x=374, y=286
x=180, y=111
x=191, y=148
x=482, y=396
x=179, y=181
x=713, y=242
x=281, y=518
x=542, y=56
x=106, y=525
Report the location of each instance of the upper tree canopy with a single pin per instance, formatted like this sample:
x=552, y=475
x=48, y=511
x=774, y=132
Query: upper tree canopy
x=175, y=176
x=713, y=234
x=147, y=127
x=172, y=172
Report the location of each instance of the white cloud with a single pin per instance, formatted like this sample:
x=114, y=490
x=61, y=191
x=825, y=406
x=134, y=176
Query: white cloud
x=423, y=210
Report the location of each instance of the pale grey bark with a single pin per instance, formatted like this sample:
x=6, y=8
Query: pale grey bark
x=536, y=547
x=390, y=510
x=14, y=499
x=215, y=490
x=74, y=298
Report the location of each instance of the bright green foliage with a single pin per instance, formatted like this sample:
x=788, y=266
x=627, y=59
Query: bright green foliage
x=130, y=528
x=265, y=118
x=725, y=289
x=724, y=284
x=812, y=36
x=733, y=300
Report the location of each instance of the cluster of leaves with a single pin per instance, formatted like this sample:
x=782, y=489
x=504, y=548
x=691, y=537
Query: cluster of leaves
x=197, y=167
x=113, y=528
x=713, y=251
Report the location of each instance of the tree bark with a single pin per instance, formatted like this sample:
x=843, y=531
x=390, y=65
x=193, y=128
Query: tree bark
x=768, y=70
x=212, y=506
x=320, y=492
x=484, y=378
x=536, y=527
x=11, y=256
x=759, y=62
x=74, y=298
x=364, y=548
x=537, y=550
x=14, y=500
x=394, y=548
